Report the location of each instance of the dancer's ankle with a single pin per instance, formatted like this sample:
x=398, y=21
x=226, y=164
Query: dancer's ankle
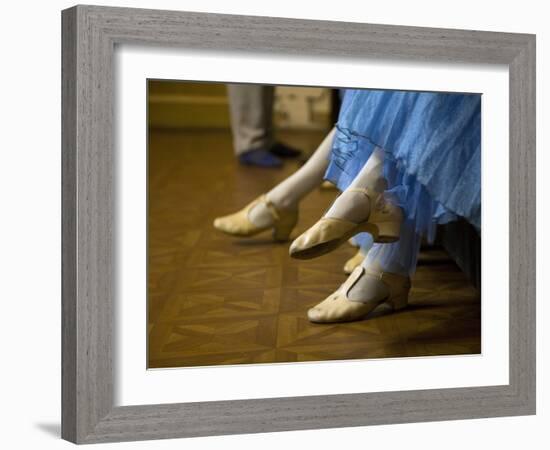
x=350, y=205
x=368, y=287
x=389, y=266
x=379, y=184
x=261, y=214
x=282, y=203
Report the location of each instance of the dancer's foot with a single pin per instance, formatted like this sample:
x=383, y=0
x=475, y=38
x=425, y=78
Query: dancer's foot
x=284, y=151
x=353, y=242
x=356, y=210
x=353, y=262
x=259, y=215
x=360, y=294
x=260, y=157
x=328, y=186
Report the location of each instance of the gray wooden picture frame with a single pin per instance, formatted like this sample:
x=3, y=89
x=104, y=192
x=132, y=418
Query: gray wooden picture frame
x=89, y=37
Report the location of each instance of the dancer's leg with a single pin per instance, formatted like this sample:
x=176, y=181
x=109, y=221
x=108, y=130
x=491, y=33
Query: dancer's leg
x=355, y=206
x=353, y=212
x=287, y=194
x=290, y=191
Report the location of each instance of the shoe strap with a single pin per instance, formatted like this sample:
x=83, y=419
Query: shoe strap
x=377, y=199
x=393, y=281
x=270, y=207
x=352, y=279
x=370, y=193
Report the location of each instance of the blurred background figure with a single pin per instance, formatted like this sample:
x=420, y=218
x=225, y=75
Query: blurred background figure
x=251, y=109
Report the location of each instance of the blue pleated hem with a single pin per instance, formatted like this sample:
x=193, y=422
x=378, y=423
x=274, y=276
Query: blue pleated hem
x=422, y=211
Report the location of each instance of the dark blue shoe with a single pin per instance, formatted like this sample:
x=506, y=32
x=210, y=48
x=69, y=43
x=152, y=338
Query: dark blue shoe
x=284, y=151
x=260, y=157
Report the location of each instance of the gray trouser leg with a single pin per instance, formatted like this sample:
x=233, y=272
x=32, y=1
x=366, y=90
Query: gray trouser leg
x=251, y=108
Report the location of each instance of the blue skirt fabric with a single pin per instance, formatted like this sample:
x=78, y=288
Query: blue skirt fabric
x=432, y=159
x=432, y=151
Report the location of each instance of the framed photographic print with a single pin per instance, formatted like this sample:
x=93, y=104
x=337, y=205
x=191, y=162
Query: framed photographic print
x=277, y=224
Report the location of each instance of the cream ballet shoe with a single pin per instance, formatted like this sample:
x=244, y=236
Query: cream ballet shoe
x=352, y=243
x=238, y=224
x=353, y=262
x=337, y=307
x=328, y=233
x=328, y=186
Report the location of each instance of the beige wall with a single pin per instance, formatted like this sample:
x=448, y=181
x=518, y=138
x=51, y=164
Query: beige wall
x=177, y=104
x=302, y=107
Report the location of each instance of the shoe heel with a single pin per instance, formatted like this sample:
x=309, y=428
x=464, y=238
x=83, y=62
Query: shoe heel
x=398, y=302
x=283, y=229
x=282, y=233
x=388, y=232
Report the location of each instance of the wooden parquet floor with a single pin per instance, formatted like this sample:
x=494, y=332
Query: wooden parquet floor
x=214, y=299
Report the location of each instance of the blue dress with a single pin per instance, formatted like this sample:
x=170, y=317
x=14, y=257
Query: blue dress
x=432, y=154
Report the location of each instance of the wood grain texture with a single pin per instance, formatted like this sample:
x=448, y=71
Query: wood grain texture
x=89, y=36
x=522, y=283
x=68, y=227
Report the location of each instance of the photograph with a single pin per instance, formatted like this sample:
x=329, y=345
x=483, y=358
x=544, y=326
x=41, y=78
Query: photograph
x=291, y=224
